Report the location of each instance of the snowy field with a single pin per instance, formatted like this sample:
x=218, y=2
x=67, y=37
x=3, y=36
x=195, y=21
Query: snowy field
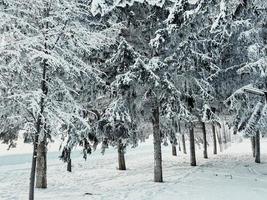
x=231, y=175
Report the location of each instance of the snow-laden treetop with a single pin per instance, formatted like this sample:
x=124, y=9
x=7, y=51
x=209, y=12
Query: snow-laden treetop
x=104, y=6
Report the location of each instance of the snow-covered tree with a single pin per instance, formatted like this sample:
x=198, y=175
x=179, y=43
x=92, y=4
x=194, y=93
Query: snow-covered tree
x=117, y=124
x=247, y=26
x=187, y=46
x=45, y=71
x=141, y=20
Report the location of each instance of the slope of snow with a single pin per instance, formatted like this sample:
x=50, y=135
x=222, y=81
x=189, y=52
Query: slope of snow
x=230, y=175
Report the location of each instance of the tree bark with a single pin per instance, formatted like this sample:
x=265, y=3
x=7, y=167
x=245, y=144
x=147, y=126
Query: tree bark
x=184, y=145
x=35, y=147
x=229, y=136
x=257, y=147
x=174, y=144
x=219, y=137
x=192, y=146
x=33, y=168
x=121, y=158
x=179, y=145
x=41, y=169
x=253, y=146
x=69, y=168
x=224, y=136
x=214, y=139
x=205, y=151
x=183, y=138
x=39, y=123
x=174, y=151
x=157, y=146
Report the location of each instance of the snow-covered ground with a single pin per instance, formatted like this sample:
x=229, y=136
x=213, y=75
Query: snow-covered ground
x=231, y=175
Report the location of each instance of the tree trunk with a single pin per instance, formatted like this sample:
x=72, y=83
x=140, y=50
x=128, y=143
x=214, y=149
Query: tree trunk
x=183, y=138
x=33, y=168
x=69, y=166
x=41, y=175
x=192, y=146
x=39, y=124
x=174, y=151
x=219, y=136
x=223, y=133
x=179, y=145
x=174, y=148
x=36, y=136
x=257, y=147
x=229, y=136
x=253, y=146
x=121, y=158
x=157, y=146
x=184, y=145
x=214, y=139
x=69, y=169
x=205, y=151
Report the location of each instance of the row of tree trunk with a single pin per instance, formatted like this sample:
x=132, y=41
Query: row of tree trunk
x=41, y=169
x=221, y=139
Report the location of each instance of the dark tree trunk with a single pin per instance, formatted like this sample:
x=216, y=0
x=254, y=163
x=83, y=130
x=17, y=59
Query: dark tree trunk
x=157, y=146
x=36, y=138
x=257, y=147
x=174, y=148
x=224, y=136
x=205, y=151
x=69, y=166
x=253, y=146
x=192, y=147
x=214, y=139
x=174, y=151
x=214, y=134
x=179, y=145
x=41, y=169
x=183, y=142
x=35, y=148
x=69, y=169
x=33, y=168
x=219, y=136
x=183, y=138
x=121, y=158
x=190, y=102
x=39, y=123
x=229, y=136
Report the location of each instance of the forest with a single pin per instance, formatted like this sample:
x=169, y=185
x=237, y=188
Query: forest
x=95, y=75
